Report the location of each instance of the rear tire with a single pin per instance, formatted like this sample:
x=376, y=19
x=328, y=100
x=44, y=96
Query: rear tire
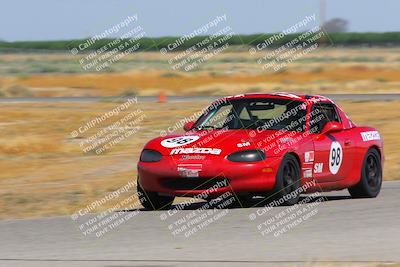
x=152, y=200
x=287, y=181
x=371, y=176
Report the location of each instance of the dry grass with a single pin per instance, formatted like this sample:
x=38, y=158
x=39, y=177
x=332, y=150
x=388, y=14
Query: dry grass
x=45, y=172
x=322, y=71
x=384, y=116
x=339, y=80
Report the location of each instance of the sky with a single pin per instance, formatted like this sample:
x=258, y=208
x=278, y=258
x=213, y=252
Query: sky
x=25, y=20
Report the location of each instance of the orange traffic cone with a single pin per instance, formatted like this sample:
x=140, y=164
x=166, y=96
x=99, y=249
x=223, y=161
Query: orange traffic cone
x=162, y=98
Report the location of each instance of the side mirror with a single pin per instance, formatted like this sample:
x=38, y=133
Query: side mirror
x=331, y=127
x=188, y=126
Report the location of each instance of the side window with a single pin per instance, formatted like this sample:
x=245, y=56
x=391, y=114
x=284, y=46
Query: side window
x=321, y=114
x=244, y=115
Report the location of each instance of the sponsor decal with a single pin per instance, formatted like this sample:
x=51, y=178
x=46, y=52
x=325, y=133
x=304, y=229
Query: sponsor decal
x=370, y=135
x=179, y=141
x=243, y=144
x=318, y=167
x=309, y=156
x=335, y=157
x=192, y=157
x=307, y=173
x=286, y=140
x=196, y=150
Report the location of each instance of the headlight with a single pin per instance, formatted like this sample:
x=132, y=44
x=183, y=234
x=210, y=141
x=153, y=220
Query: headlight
x=247, y=156
x=150, y=156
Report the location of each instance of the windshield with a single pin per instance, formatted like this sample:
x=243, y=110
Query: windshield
x=261, y=114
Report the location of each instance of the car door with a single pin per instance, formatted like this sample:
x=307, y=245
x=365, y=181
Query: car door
x=333, y=153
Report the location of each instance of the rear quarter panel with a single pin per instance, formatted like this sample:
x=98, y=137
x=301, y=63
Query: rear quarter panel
x=364, y=138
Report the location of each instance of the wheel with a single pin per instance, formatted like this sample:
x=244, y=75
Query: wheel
x=152, y=200
x=287, y=181
x=371, y=176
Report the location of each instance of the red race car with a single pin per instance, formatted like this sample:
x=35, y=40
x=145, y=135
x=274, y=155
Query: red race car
x=278, y=145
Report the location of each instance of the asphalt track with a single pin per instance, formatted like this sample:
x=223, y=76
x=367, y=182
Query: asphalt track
x=335, y=97
x=341, y=230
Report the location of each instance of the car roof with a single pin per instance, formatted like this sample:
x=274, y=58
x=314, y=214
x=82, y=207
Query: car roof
x=309, y=99
x=282, y=95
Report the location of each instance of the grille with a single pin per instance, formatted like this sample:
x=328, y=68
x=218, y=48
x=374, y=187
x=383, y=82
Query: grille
x=195, y=183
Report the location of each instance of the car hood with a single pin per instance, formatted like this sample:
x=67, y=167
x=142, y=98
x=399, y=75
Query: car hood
x=223, y=142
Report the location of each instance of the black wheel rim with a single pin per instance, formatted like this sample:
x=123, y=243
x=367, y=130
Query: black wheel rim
x=290, y=177
x=372, y=171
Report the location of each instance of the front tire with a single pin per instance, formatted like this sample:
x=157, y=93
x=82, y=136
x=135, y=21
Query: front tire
x=287, y=181
x=152, y=200
x=371, y=177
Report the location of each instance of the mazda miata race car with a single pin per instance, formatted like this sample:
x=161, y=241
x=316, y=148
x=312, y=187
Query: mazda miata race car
x=262, y=145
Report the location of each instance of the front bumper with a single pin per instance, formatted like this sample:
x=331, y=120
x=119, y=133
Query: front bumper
x=215, y=176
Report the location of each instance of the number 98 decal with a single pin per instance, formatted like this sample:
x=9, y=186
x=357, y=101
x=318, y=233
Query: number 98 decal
x=179, y=141
x=335, y=157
